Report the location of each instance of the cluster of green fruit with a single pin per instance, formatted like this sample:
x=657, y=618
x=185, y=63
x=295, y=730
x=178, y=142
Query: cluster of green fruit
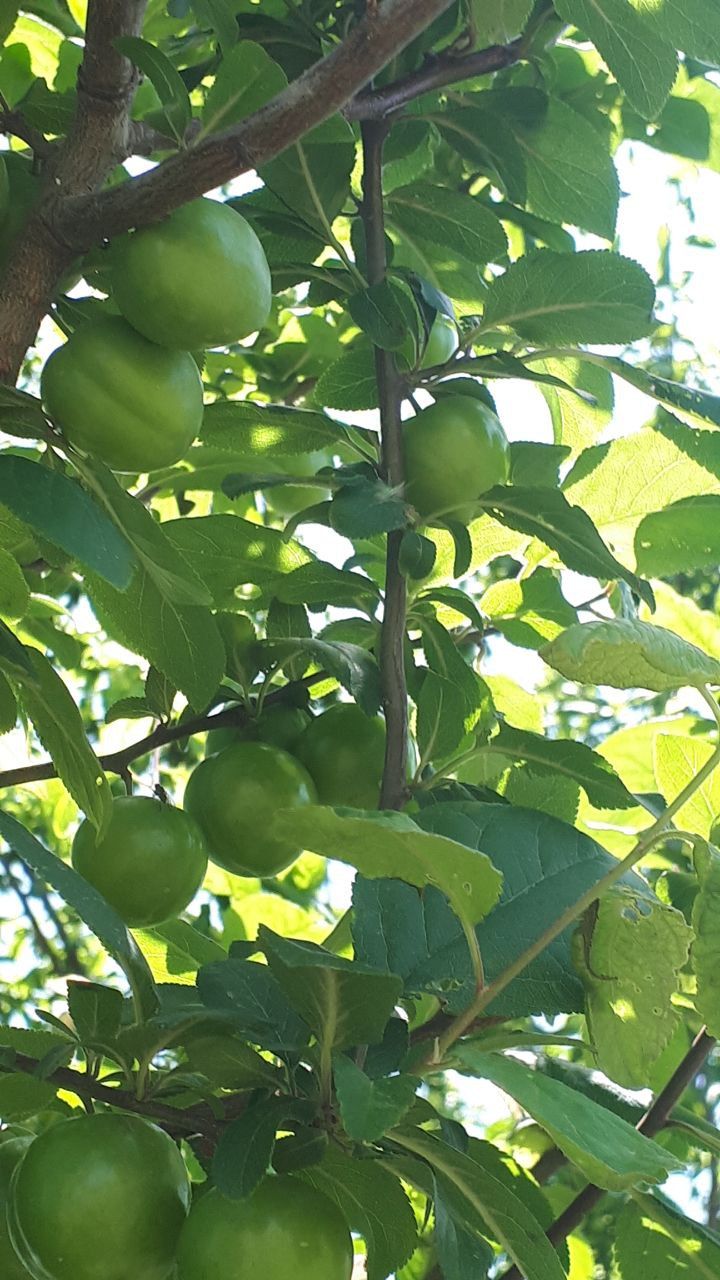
x=126, y=388
x=107, y=1197
x=152, y=859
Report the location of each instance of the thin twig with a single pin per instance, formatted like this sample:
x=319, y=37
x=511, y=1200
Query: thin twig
x=375, y=104
x=117, y=761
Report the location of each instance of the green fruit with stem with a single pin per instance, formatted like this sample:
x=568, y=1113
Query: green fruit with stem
x=132, y=404
x=234, y=797
x=441, y=344
x=455, y=450
x=101, y=1197
x=197, y=279
x=148, y=865
x=285, y=1230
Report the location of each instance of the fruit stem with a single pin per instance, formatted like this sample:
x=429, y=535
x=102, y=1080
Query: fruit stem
x=394, y=791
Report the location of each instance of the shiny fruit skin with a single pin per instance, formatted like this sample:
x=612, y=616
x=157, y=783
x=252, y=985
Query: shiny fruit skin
x=284, y=1231
x=11, y=1153
x=441, y=344
x=122, y=399
x=343, y=750
x=234, y=797
x=149, y=864
x=102, y=1197
x=455, y=450
x=198, y=279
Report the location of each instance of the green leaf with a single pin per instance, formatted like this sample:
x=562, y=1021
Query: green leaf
x=629, y=955
x=569, y=175
x=182, y=641
x=391, y=844
x=8, y=706
x=528, y=611
x=15, y=658
x=387, y=313
x=633, y=45
x=172, y=575
x=629, y=654
x=366, y=508
x=677, y=462
x=370, y=1107
x=175, y=951
x=442, y=657
x=653, y=1235
x=692, y=405
x=343, y=1002
x=22, y=414
x=705, y=951
x=243, y=1154
x=229, y=552
x=349, y=382
x=246, y=79
x=93, y=910
x=22, y=1096
x=607, y=1150
x=562, y=756
x=440, y=717
x=165, y=79
x=459, y=223
x=220, y=17
x=546, y=866
x=577, y=422
x=352, y=666
x=61, y=511
x=677, y=760
x=318, y=584
x=229, y=1062
x=96, y=1011
x=568, y=530
x=593, y=296
x=59, y=726
x=687, y=24
x=249, y=995
x=313, y=177
x=497, y=22
x=374, y=1204
x=14, y=592
x=681, y=539
x=480, y=1200
x=268, y=430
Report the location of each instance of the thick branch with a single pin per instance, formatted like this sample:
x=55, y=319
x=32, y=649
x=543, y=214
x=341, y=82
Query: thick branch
x=316, y=95
x=106, y=84
x=392, y=642
x=118, y=761
x=655, y=1118
x=374, y=104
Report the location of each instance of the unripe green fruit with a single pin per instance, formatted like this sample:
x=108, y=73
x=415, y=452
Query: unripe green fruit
x=120, y=398
x=455, y=450
x=442, y=342
x=279, y=725
x=11, y=1153
x=198, y=279
x=234, y=797
x=101, y=1197
x=343, y=750
x=149, y=864
x=284, y=1231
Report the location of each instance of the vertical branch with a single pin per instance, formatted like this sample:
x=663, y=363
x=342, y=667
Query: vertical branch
x=392, y=642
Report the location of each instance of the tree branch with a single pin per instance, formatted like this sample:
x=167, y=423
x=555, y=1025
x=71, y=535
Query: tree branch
x=106, y=86
x=375, y=104
x=118, y=761
x=193, y=1120
x=316, y=95
x=392, y=640
x=655, y=1118
x=14, y=124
